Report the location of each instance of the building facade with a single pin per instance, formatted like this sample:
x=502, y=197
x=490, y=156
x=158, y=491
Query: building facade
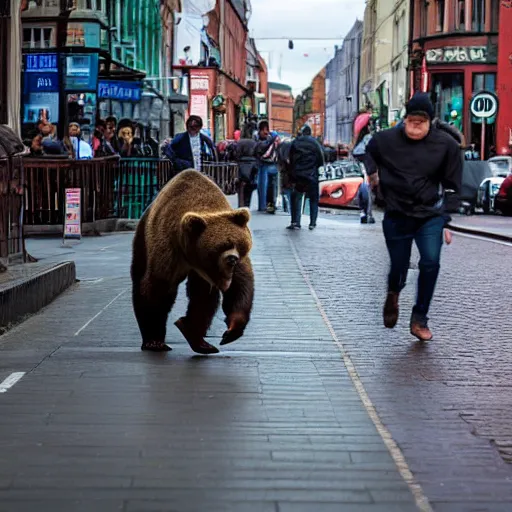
x=218, y=89
x=454, y=56
x=309, y=107
x=84, y=59
x=280, y=100
x=342, y=88
x=400, y=60
x=257, y=81
x=504, y=81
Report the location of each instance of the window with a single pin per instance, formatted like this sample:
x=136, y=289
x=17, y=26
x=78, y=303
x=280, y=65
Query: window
x=448, y=97
x=440, y=15
x=90, y=5
x=460, y=15
x=40, y=38
x=495, y=12
x=483, y=81
x=478, y=21
x=423, y=8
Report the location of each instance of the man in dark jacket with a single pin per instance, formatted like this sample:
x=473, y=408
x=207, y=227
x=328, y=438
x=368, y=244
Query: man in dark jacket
x=188, y=150
x=306, y=157
x=415, y=165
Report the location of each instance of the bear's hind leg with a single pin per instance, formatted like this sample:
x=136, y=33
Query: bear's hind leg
x=203, y=303
x=151, y=312
x=237, y=303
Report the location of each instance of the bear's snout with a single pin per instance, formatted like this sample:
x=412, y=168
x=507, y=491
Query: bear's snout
x=232, y=260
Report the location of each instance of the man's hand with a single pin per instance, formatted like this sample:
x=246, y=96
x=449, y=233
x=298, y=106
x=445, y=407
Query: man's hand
x=374, y=180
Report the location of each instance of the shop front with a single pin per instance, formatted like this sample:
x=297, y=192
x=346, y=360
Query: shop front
x=456, y=74
x=41, y=91
x=119, y=98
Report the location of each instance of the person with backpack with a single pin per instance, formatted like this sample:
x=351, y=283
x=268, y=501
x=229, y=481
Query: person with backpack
x=266, y=153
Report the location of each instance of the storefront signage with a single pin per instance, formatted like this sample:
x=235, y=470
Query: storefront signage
x=472, y=54
x=37, y=63
x=72, y=220
x=199, y=107
x=85, y=35
x=121, y=91
x=82, y=72
x=199, y=83
x=484, y=105
x=42, y=82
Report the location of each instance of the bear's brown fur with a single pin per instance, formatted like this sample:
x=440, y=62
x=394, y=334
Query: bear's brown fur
x=191, y=231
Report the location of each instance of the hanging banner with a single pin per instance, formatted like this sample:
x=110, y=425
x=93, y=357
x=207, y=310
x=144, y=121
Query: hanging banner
x=72, y=218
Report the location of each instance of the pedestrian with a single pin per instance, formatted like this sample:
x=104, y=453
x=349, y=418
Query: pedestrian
x=306, y=157
x=267, y=169
x=364, y=193
x=416, y=166
x=190, y=149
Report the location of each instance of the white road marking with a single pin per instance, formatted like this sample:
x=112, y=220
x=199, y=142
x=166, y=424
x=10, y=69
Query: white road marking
x=100, y=312
x=421, y=500
x=10, y=381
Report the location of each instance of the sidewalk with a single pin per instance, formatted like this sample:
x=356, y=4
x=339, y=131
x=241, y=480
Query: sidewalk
x=493, y=226
x=273, y=424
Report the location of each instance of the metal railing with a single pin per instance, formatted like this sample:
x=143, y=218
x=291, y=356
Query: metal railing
x=111, y=187
x=12, y=181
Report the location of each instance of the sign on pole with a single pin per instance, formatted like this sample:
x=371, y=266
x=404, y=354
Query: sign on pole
x=484, y=105
x=72, y=217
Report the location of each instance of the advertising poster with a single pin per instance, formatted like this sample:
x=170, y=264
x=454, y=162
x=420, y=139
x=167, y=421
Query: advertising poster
x=72, y=220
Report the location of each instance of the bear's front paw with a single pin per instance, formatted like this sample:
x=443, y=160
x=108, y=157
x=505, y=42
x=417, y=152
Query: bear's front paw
x=236, y=328
x=197, y=343
x=155, y=346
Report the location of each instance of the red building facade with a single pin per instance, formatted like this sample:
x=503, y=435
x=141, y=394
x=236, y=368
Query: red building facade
x=458, y=42
x=504, y=87
x=217, y=87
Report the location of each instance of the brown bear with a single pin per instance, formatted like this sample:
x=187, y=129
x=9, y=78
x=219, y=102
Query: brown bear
x=191, y=232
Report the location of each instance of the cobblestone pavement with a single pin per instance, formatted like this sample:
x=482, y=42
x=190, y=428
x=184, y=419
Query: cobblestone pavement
x=448, y=403
x=274, y=423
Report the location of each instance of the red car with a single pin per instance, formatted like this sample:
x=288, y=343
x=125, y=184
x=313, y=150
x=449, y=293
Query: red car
x=339, y=184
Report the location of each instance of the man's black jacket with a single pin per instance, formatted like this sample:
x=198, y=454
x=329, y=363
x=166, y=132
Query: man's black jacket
x=414, y=175
x=306, y=156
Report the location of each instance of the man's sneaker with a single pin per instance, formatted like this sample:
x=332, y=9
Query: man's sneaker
x=371, y=220
x=364, y=220
x=391, y=310
x=293, y=226
x=271, y=208
x=419, y=329
x=312, y=226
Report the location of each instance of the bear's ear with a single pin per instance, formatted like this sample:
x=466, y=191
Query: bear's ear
x=192, y=224
x=240, y=217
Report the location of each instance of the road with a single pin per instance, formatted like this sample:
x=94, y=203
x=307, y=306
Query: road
x=311, y=410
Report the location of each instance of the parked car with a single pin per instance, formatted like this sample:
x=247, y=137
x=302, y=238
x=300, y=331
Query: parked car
x=487, y=192
x=340, y=182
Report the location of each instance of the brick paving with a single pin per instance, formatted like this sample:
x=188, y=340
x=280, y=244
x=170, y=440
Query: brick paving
x=448, y=404
x=274, y=423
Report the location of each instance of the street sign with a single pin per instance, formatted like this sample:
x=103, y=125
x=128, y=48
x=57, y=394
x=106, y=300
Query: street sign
x=484, y=105
x=72, y=217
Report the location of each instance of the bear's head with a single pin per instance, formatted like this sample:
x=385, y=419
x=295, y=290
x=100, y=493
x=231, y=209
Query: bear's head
x=215, y=243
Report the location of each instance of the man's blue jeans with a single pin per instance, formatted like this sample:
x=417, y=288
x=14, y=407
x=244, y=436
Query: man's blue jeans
x=266, y=170
x=400, y=231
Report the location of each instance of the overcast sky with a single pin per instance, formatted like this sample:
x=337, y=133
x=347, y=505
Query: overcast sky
x=301, y=19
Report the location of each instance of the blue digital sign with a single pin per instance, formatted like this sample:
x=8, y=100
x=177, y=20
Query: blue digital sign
x=82, y=72
x=42, y=63
x=42, y=82
x=117, y=90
